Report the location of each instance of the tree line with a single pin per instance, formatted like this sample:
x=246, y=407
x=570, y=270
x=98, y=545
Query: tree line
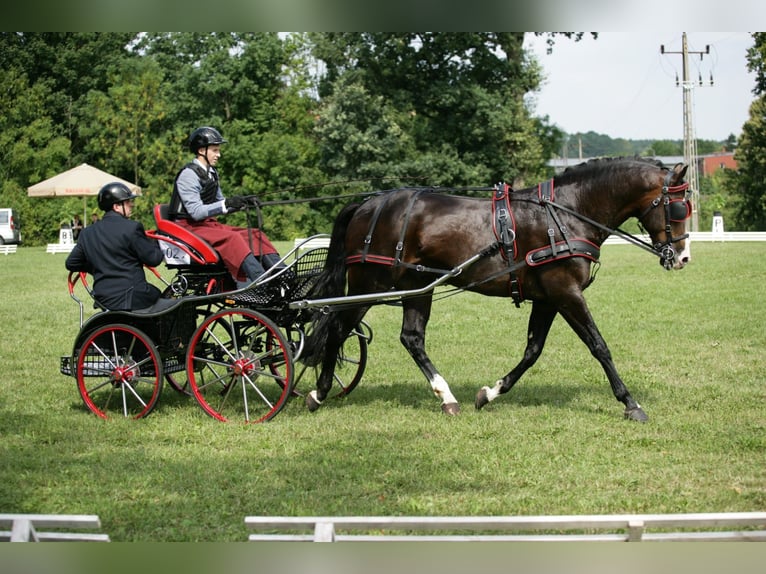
x=306, y=115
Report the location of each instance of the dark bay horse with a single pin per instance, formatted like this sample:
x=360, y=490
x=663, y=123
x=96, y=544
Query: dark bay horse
x=537, y=244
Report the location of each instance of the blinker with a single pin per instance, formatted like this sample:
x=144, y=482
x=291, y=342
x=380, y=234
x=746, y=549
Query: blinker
x=679, y=209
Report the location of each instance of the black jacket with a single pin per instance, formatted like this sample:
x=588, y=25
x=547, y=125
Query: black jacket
x=114, y=250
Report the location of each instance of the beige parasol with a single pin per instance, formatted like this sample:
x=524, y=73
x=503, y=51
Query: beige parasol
x=80, y=181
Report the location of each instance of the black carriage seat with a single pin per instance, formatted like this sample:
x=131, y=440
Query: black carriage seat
x=180, y=246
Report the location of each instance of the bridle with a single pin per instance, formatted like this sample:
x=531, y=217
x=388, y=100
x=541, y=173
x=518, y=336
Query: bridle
x=676, y=210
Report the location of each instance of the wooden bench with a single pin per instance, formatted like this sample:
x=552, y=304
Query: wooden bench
x=628, y=527
x=6, y=249
x=59, y=247
x=27, y=528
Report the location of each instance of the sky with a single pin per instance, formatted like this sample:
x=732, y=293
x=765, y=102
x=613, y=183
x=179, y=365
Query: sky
x=621, y=85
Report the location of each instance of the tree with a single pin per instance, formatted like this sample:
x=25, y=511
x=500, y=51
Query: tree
x=457, y=99
x=30, y=151
x=67, y=65
x=749, y=183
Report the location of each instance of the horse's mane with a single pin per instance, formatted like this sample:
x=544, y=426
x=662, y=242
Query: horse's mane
x=587, y=168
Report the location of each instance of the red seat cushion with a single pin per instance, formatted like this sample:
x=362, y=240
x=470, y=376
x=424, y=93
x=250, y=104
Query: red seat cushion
x=198, y=248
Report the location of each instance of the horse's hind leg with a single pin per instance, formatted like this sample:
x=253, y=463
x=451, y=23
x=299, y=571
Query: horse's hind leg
x=540, y=321
x=413, y=336
x=341, y=325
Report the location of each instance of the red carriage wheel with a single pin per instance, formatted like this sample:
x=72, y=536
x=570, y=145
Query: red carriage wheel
x=239, y=366
x=119, y=372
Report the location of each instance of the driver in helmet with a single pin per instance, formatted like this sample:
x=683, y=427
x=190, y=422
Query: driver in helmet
x=196, y=201
x=114, y=250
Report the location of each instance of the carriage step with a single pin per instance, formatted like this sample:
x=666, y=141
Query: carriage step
x=98, y=367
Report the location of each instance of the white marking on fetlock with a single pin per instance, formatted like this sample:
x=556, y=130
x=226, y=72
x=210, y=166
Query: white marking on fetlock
x=493, y=392
x=441, y=389
x=314, y=397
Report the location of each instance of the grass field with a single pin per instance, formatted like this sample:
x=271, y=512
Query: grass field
x=690, y=346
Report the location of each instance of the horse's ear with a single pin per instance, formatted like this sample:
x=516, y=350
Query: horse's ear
x=680, y=170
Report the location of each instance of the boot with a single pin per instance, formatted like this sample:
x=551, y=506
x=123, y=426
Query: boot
x=252, y=270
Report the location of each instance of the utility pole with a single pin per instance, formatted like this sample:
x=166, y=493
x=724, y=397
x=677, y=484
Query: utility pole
x=690, y=142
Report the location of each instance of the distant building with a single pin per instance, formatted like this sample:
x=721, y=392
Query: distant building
x=709, y=164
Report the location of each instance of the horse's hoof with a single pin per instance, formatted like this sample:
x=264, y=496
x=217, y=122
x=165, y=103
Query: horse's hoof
x=451, y=408
x=636, y=414
x=481, y=398
x=312, y=403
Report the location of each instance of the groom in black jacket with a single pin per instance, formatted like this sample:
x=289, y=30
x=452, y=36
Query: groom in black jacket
x=114, y=250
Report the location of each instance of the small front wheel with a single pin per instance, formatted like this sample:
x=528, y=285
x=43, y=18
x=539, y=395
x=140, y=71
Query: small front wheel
x=119, y=371
x=239, y=366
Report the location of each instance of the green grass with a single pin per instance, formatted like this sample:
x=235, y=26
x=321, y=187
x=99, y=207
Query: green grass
x=689, y=345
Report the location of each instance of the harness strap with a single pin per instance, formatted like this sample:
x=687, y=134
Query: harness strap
x=504, y=223
x=400, y=244
x=546, y=197
x=373, y=223
x=563, y=250
x=505, y=232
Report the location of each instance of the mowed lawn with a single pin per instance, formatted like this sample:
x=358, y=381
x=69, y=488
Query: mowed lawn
x=690, y=345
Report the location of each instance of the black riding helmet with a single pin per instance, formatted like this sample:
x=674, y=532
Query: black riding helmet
x=203, y=137
x=112, y=193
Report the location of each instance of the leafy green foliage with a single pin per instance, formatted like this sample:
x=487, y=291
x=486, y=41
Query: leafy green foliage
x=310, y=115
x=749, y=183
x=447, y=108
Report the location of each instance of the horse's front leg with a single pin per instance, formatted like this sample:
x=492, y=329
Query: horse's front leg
x=413, y=336
x=538, y=327
x=577, y=314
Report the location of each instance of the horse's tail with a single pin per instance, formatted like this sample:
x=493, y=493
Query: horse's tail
x=330, y=283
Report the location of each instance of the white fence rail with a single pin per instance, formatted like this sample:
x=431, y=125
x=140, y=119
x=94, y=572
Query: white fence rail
x=27, y=528
x=629, y=527
x=703, y=236
x=304, y=243
x=59, y=247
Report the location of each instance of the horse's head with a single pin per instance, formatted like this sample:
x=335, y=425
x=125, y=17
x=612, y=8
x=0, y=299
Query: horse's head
x=664, y=216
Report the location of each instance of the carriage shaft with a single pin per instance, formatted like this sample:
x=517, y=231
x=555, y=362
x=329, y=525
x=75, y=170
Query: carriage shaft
x=387, y=295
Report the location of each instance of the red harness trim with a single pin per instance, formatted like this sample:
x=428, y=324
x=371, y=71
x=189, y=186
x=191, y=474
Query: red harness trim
x=379, y=259
x=582, y=248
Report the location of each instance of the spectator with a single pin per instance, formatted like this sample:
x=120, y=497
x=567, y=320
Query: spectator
x=76, y=227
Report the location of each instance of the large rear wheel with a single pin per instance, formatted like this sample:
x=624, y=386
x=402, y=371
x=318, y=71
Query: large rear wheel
x=239, y=366
x=119, y=372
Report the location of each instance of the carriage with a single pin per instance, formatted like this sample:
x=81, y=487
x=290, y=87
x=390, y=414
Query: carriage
x=539, y=244
x=238, y=352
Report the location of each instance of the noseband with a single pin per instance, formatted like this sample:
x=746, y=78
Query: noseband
x=675, y=210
